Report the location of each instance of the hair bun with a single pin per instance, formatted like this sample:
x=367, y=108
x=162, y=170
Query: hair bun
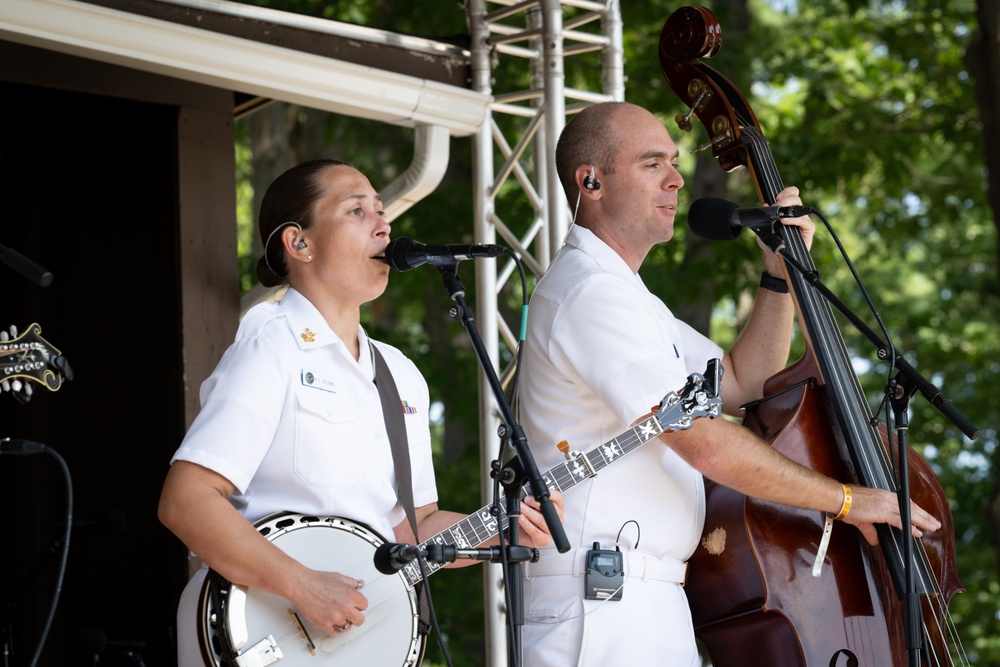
x=267, y=277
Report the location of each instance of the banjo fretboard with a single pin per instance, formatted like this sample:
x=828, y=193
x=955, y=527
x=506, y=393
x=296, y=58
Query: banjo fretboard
x=677, y=411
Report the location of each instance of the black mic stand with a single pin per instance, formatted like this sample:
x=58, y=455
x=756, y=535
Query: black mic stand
x=43, y=278
x=899, y=389
x=519, y=469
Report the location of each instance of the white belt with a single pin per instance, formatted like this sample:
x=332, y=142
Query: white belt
x=637, y=565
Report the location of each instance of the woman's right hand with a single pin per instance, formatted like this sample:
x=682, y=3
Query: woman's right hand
x=331, y=601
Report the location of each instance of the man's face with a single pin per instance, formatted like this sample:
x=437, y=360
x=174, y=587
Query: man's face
x=640, y=197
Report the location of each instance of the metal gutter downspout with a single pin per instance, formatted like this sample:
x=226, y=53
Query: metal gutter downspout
x=430, y=161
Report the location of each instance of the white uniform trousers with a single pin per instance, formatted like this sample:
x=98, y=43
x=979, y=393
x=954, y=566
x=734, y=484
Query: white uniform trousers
x=650, y=625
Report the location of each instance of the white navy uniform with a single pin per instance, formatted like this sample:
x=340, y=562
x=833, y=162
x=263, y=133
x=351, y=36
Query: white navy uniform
x=296, y=424
x=600, y=352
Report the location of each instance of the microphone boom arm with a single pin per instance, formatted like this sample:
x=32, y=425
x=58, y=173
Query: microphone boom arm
x=510, y=427
x=512, y=478
x=914, y=381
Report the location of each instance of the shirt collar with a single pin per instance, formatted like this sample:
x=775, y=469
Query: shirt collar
x=585, y=240
x=309, y=326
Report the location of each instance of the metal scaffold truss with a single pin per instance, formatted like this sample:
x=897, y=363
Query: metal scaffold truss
x=532, y=57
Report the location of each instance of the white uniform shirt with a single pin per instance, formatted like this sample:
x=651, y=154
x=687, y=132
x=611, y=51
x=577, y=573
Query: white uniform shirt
x=296, y=424
x=600, y=352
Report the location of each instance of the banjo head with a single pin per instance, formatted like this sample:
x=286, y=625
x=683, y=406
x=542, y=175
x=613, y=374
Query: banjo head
x=253, y=621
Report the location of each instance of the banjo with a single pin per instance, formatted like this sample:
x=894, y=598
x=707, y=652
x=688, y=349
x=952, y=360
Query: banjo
x=247, y=627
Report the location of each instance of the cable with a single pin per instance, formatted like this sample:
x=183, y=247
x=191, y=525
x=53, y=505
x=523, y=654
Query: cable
x=519, y=351
x=637, y=532
x=23, y=448
x=430, y=607
x=891, y=354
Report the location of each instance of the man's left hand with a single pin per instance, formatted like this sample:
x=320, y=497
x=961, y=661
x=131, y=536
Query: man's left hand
x=788, y=197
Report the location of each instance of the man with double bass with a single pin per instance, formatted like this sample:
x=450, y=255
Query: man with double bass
x=600, y=350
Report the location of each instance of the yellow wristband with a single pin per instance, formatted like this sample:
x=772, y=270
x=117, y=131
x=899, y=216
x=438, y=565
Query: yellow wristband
x=846, y=507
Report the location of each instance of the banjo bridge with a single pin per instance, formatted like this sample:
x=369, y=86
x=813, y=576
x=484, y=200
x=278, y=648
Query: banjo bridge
x=302, y=630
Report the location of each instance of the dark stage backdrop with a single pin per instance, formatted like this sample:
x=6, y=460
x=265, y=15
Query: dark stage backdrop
x=87, y=185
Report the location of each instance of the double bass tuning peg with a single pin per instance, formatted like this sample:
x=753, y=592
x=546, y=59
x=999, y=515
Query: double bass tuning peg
x=700, y=91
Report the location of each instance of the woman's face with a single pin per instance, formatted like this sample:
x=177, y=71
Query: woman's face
x=349, y=237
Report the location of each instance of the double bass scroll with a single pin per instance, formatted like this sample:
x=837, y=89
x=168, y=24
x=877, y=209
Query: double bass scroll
x=753, y=598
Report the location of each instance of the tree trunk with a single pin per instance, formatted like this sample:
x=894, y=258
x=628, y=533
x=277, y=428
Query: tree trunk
x=983, y=61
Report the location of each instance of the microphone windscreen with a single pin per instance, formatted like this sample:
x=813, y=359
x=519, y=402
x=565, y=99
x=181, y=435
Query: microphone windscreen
x=383, y=558
x=93, y=642
x=396, y=253
x=709, y=218
x=111, y=521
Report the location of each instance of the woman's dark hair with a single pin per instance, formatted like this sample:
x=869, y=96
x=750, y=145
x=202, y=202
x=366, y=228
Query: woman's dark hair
x=290, y=199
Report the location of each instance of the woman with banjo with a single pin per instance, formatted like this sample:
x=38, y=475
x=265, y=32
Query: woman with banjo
x=286, y=482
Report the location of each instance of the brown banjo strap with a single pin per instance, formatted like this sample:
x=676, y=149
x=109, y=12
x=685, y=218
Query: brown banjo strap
x=392, y=411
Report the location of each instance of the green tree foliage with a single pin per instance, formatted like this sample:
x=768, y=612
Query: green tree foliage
x=868, y=108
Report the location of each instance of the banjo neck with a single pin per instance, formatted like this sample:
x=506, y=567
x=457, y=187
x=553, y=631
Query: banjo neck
x=700, y=397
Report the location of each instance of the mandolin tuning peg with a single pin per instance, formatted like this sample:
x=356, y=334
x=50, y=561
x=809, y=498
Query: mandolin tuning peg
x=62, y=365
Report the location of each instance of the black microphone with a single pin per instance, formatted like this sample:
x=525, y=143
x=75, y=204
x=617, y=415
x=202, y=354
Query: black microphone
x=108, y=521
x=391, y=557
x=96, y=642
x=720, y=220
x=20, y=447
x=404, y=254
x=25, y=267
x=439, y=553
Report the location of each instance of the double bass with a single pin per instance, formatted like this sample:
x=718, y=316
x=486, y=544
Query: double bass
x=753, y=595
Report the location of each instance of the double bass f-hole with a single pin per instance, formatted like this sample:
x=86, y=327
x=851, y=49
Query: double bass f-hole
x=758, y=591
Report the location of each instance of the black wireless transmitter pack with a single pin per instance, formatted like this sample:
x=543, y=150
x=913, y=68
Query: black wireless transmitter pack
x=605, y=576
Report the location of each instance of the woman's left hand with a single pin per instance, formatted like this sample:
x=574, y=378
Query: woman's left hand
x=532, y=521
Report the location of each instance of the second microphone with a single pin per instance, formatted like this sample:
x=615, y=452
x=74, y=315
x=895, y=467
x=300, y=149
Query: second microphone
x=720, y=220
